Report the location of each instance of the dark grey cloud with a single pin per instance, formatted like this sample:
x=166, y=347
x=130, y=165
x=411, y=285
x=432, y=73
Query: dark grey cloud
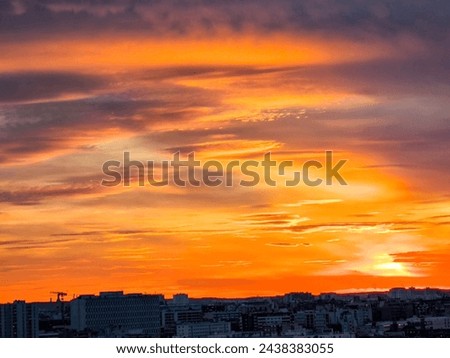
x=189, y=71
x=354, y=18
x=381, y=17
x=6, y=7
x=44, y=127
x=424, y=74
x=27, y=86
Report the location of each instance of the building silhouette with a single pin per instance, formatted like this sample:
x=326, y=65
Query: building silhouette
x=19, y=320
x=114, y=313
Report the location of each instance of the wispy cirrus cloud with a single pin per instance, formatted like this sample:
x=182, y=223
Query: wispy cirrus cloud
x=314, y=202
x=275, y=220
x=35, y=195
x=358, y=227
x=283, y=244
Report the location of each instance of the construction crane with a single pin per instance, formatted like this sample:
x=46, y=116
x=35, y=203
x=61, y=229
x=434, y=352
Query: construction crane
x=59, y=295
x=60, y=299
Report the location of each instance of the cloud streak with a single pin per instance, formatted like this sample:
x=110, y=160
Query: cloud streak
x=34, y=196
x=32, y=86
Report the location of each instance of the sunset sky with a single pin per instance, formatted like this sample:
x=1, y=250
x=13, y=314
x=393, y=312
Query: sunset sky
x=81, y=82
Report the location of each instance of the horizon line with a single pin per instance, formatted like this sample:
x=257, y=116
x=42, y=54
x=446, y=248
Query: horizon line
x=344, y=292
